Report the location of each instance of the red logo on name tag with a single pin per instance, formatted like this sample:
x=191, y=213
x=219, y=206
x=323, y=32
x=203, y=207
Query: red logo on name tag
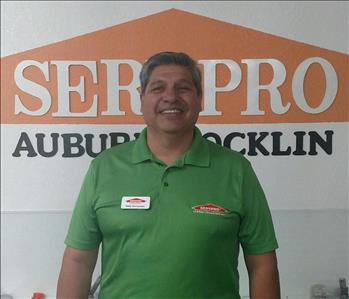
x=135, y=200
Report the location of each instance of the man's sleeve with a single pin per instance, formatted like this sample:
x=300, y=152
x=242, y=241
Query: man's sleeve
x=84, y=232
x=256, y=233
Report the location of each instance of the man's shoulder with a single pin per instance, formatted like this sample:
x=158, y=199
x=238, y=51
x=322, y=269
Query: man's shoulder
x=225, y=154
x=121, y=151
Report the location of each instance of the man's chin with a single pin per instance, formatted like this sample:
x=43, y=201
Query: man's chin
x=182, y=132
x=176, y=130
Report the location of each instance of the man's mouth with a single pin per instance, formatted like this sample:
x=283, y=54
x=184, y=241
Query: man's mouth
x=171, y=111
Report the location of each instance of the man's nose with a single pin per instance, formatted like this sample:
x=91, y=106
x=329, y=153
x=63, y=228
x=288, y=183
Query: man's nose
x=170, y=95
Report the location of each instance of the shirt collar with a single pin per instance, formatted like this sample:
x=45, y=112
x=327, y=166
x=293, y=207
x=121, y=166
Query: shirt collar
x=198, y=153
x=141, y=151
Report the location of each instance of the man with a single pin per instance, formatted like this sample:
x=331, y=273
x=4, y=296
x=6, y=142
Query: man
x=171, y=208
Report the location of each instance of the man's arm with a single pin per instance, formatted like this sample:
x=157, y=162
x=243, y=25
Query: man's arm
x=263, y=275
x=76, y=273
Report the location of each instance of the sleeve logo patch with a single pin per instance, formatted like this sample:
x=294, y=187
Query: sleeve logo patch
x=209, y=209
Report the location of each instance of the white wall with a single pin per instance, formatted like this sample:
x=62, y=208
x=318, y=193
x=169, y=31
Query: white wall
x=30, y=24
x=313, y=239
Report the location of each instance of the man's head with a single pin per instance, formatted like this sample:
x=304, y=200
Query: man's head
x=166, y=58
x=170, y=94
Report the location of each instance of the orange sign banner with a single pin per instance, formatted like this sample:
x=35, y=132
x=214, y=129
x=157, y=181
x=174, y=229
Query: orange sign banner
x=248, y=76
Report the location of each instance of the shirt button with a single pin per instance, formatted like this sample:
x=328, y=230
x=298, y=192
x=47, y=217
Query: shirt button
x=166, y=184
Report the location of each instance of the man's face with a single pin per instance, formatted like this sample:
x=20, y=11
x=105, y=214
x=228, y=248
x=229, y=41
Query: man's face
x=170, y=103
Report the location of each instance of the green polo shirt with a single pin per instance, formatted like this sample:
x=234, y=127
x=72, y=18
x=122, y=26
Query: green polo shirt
x=186, y=244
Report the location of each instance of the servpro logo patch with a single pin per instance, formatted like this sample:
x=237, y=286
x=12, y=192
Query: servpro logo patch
x=209, y=209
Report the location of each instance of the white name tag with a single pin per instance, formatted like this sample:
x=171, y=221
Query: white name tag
x=135, y=202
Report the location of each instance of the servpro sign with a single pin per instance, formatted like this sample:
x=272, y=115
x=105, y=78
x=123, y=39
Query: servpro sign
x=249, y=77
x=108, y=103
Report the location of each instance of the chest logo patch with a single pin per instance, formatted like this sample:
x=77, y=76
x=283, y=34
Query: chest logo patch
x=209, y=209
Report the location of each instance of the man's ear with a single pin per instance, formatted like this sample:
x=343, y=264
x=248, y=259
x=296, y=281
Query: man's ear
x=201, y=102
x=140, y=97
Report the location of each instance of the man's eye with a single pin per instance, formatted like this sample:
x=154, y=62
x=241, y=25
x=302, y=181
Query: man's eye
x=156, y=88
x=185, y=88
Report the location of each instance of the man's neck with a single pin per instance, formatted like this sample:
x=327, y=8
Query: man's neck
x=168, y=147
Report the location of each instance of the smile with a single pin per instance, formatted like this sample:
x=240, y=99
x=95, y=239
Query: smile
x=169, y=111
